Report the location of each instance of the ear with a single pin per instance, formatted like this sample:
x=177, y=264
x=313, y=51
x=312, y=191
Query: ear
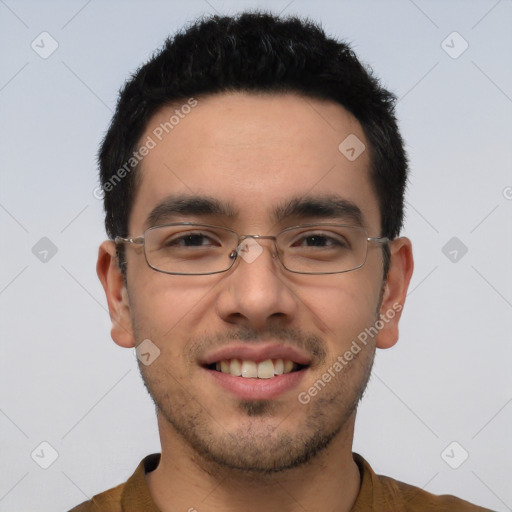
x=111, y=278
x=395, y=291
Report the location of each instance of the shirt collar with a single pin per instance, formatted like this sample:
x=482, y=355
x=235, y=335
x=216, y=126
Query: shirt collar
x=136, y=496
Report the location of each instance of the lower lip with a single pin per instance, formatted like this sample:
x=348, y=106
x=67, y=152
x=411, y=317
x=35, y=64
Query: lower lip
x=258, y=389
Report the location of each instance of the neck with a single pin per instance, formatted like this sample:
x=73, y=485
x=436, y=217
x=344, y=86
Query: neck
x=183, y=481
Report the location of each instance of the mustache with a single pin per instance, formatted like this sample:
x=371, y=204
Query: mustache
x=310, y=343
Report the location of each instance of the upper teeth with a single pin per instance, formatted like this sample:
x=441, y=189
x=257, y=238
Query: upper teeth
x=250, y=369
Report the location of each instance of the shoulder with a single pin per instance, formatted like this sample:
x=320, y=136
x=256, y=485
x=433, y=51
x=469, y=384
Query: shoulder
x=131, y=495
x=383, y=493
x=416, y=499
x=106, y=501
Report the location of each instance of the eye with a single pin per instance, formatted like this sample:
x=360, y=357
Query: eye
x=329, y=240
x=190, y=239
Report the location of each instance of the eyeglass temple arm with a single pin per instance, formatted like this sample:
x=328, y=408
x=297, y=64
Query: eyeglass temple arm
x=379, y=239
x=138, y=240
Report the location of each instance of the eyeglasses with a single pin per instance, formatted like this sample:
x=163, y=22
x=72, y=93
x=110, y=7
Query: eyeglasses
x=200, y=249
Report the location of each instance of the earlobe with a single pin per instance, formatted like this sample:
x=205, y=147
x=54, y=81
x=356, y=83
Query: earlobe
x=395, y=291
x=117, y=296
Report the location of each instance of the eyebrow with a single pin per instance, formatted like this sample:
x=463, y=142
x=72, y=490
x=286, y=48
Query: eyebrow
x=317, y=207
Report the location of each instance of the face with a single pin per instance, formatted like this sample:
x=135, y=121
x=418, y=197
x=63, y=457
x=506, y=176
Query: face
x=256, y=157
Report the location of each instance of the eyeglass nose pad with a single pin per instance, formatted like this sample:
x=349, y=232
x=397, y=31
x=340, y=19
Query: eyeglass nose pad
x=249, y=249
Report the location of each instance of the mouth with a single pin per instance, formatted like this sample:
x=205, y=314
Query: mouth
x=262, y=371
x=248, y=369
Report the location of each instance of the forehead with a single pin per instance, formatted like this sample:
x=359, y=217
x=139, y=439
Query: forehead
x=254, y=152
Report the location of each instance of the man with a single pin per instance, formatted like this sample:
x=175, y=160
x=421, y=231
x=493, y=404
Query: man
x=254, y=178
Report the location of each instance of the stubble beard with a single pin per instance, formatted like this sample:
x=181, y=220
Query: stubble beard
x=260, y=445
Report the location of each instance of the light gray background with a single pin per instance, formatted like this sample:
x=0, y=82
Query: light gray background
x=448, y=379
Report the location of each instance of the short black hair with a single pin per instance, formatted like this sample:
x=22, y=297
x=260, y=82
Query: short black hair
x=261, y=53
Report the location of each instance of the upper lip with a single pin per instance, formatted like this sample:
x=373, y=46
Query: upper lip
x=256, y=352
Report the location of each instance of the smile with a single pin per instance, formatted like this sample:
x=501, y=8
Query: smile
x=267, y=369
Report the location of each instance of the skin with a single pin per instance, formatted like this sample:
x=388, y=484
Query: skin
x=254, y=151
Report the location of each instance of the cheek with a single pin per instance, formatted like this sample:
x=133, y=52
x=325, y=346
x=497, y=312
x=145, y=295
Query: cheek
x=343, y=306
x=166, y=307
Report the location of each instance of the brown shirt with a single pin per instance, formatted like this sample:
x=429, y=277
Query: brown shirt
x=377, y=493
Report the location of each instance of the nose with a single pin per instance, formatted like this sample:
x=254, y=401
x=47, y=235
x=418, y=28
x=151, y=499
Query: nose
x=255, y=292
